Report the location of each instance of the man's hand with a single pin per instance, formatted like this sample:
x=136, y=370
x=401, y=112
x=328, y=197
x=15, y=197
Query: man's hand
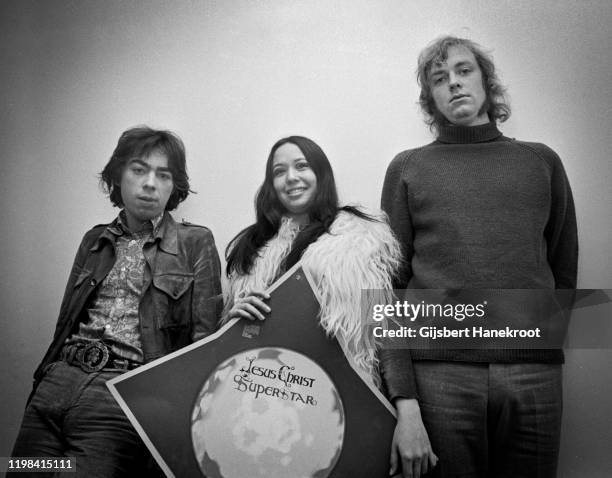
x=410, y=444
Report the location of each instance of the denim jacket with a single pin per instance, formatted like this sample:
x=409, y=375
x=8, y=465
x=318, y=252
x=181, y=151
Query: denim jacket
x=181, y=300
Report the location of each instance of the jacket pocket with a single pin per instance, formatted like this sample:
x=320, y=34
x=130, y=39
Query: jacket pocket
x=172, y=300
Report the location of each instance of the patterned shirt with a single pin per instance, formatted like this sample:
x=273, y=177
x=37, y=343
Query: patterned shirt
x=113, y=313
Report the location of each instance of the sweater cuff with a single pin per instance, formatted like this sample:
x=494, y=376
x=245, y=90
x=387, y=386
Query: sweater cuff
x=397, y=373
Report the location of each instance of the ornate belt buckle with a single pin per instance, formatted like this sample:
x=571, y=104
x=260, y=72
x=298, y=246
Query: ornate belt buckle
x=94, y=357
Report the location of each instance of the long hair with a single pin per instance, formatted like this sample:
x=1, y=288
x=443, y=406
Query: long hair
x=140, y=142
x=243, y=249
x=496, y=104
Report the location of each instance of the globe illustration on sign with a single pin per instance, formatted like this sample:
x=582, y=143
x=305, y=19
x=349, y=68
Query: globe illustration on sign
x=267, y=412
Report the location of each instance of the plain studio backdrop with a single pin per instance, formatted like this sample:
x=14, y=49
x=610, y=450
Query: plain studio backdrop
x=232, y=77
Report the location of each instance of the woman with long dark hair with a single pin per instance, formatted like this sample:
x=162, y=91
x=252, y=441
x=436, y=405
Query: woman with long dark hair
x=298, y=218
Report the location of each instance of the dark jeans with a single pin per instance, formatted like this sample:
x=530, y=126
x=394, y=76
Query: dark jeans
x=491, y=420
x=73, y=414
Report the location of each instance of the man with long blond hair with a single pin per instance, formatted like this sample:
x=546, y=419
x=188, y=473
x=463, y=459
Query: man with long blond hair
x=477, y=210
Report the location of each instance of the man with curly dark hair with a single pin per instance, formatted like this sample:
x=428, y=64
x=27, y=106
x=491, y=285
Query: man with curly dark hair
x=140, y=287
x=477, y=210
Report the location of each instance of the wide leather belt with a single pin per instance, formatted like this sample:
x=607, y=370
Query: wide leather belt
x=95, y=356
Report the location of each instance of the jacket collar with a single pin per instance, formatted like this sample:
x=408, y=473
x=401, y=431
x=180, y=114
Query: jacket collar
x=166, y=233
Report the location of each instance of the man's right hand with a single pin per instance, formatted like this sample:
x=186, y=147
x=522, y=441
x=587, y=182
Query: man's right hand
x=410, y=445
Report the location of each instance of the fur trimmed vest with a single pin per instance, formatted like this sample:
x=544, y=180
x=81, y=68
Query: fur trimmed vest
x=356, y=254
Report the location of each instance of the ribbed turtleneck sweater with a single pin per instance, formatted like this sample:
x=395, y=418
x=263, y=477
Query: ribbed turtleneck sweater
x=477, y=210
